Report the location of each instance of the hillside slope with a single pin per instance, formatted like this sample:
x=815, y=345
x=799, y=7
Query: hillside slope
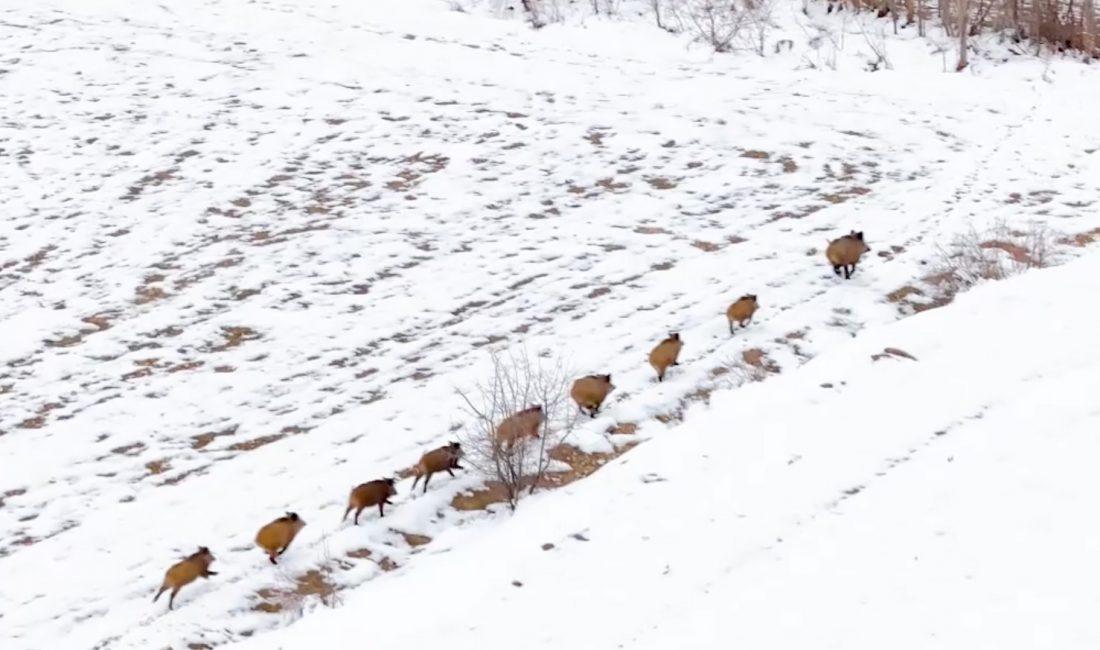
x=250, y=248
x=935, y=502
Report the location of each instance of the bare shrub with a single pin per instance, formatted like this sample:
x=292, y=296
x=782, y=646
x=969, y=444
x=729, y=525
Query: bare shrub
x=517, y=381
x=724, y=23
x=738, y=372
x=993, y=254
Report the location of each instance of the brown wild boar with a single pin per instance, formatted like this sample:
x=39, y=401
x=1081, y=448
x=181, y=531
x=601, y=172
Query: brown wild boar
x=742, y=310
x=443, y=459
x=276, y=536
x=845, y=252
x=371, y=493
x=520, y=425
x=665, y=354
x=186, y=571
x=590, y=392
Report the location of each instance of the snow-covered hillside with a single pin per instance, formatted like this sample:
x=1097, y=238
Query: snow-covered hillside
x=867, y=500
x=249, y=249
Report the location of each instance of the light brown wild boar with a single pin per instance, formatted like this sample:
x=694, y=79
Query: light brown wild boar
x=443, y=459
x=590, y=392
x=844, y=252
x=276, y=536
x=665, y=354
x=520, y=425
x=371, y=493
x=186, y=571
x=742, y=310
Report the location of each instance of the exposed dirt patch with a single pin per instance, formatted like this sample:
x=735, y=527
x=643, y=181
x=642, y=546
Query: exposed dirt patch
x=893, y=352
x=414, y=540
x=757, y=358
x=789, y=165
x=11, y=493
x=611, y=185
x=311, y=584
x=233, y=337
x=661, y=182
x=623, y=428
x=1015, y=251
x=146, y=294
x=1082, y=239
x=155, y=467
x=651, y=230
x=900, y=294
x=706, y=246
x=481, y=498
x=581, y=464
x=262, y=441
x=756, y=154
x=99, y=323
x=203, y=439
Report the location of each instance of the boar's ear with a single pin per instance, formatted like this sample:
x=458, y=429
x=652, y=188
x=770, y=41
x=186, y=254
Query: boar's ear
x=859, y=235
x=204, y=551
x=608, y=378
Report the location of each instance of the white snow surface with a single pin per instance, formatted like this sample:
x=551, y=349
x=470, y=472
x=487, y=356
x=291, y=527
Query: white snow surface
x=249, y=250
x=856, y=503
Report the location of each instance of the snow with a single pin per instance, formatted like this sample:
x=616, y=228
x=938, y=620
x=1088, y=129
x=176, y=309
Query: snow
x=249, y=250
x=927, y=503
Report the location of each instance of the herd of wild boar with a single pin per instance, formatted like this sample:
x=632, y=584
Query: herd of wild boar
x=588, y=392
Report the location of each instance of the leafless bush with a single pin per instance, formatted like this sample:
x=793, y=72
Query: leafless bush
x=541, y=13
x=992, y=254
x=517, y=381
x=875, y=38
x=739, y=372
x=716, y=22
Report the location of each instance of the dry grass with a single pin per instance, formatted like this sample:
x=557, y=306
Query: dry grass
x=315, y=583
x=992, y=254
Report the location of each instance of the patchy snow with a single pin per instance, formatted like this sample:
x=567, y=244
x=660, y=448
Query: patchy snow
x=932, y=502
x=249, y=249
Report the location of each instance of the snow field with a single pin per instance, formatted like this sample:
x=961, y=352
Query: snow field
x=250, y=249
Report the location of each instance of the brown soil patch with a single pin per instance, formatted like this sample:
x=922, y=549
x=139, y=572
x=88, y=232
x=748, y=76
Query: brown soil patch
x=414, y=540
x=132, y=449
x=99, y=323
x=1015, y=251
x=611, y=185
x=182, y=475
x=35, y=422
x=481, y=498
x=11, y=493
x=256, y=443
x=144, y=295
x=756, y=154
x=757, y=358
x=651, y=230
x=204, y=439
x=789, y=165
x=892, y=352
x=311, y=583
x=581, y=464
x=1082, y=238
x=155, y=467
x=660, y=183
x=598, y=291
x=900, y=295
x=706, y=246
x=234, y=336
x=623, y=428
